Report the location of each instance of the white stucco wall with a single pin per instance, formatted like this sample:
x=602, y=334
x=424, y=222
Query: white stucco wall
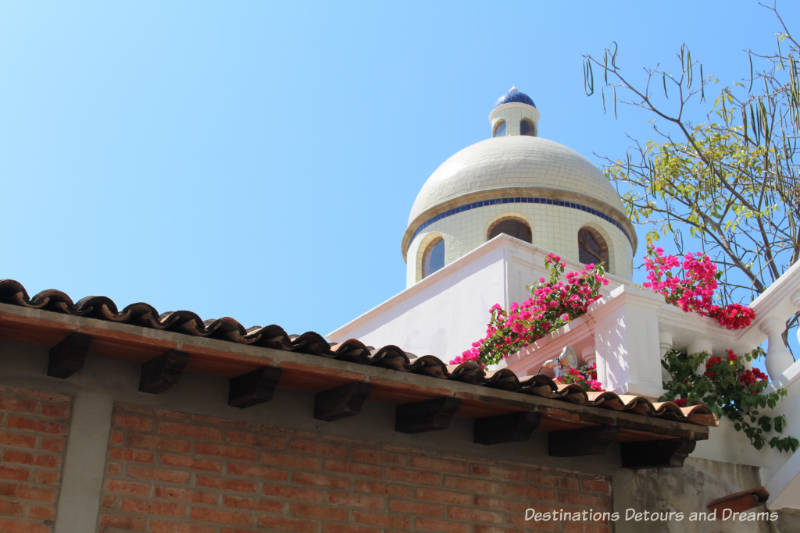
x=446, y=312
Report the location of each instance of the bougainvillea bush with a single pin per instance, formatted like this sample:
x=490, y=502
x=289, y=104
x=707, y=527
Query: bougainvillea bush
x=690, y=284
x=585, y=376
x=552, y=304
x=729, y=388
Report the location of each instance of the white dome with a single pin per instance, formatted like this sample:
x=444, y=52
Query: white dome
x=514, y=162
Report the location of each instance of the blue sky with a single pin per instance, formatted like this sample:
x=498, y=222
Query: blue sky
x=259, y=160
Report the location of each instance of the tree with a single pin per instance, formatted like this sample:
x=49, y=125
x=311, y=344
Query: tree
x=732, y=179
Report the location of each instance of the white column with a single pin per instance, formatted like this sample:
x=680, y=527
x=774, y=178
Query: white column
x=84, y=463
x=627, y=342
x=779, y=358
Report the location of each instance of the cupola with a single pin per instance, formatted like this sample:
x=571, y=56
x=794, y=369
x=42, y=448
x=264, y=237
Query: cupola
x=514, y=113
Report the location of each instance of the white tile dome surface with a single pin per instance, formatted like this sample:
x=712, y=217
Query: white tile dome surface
x=514, y=161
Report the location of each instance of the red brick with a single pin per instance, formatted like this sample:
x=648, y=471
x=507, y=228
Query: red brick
x=475, y=515
x=117, y=436
x=203, y=514
x=365, y=455
x=445, y=496
x=320, y=480
x=429, y=524
x=584, y=500
x=255, y=504
x=498, y=473
x=151, y=507
x=17, y=474
x=574, y=527
x=48, y=461
x=187, y=461
x=596, y=485
x=187, y=495
x=123, y=522
x=154, y=442
x=23, y=492
x=417, y=508
x=46, y=477
x=190, y=431
x=132, y=422
x=11, y=508
x=255, y=470
x=294, y=493
x=479, y=486
x=357, y=469
x=236, y=485
x=341, y=528
x=19, y=526
x=375, y=487
x=53, y=444
x=401, y=449
x=158, y=526
x=126, y=487
x=19, y=440
x=162, y=413
x=107, y=501
x=318, y=511
x=55, y=411
x=19, y=405
x=414, y=476
x=218, y=422
x=34, y=424
x=528, y=492
x=231, y=452
x=317, y=448
x=500, y=503
x=113, y=469
x=131, y=454
x=41, y=513
x=493, y=529
x=279, y=523
x=159, y=474
x=382, y=519
x=438, y=465
x=568, y=482
x=355, y=499
x=291, y=461
x=16, y=456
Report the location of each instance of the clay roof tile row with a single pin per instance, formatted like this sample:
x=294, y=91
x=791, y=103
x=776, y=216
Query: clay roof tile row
x=390, y=356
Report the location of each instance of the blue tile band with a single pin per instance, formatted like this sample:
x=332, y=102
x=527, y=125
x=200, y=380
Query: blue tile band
x=521, y=200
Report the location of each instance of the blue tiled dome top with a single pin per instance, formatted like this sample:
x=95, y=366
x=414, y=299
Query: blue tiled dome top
x=514, y=95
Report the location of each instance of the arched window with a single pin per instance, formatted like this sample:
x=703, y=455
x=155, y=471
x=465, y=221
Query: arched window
x=511, y=226
x=592, y=248
x=499, y=129
x=526, y=127
x=433, y=258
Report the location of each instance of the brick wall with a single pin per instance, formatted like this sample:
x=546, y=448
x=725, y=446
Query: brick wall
x=173, y=472
x=33, y=432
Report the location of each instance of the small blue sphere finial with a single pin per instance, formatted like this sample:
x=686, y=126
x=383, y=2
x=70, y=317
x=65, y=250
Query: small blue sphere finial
x=514, y=95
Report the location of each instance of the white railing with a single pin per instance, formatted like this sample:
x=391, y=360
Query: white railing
x=773, y=308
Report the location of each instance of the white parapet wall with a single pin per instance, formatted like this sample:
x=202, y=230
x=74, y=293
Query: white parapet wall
x=446, y=312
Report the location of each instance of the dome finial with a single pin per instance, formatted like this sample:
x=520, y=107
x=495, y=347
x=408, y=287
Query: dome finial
x=514, y=95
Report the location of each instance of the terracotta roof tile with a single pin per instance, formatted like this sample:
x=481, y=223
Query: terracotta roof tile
x=390, y=356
